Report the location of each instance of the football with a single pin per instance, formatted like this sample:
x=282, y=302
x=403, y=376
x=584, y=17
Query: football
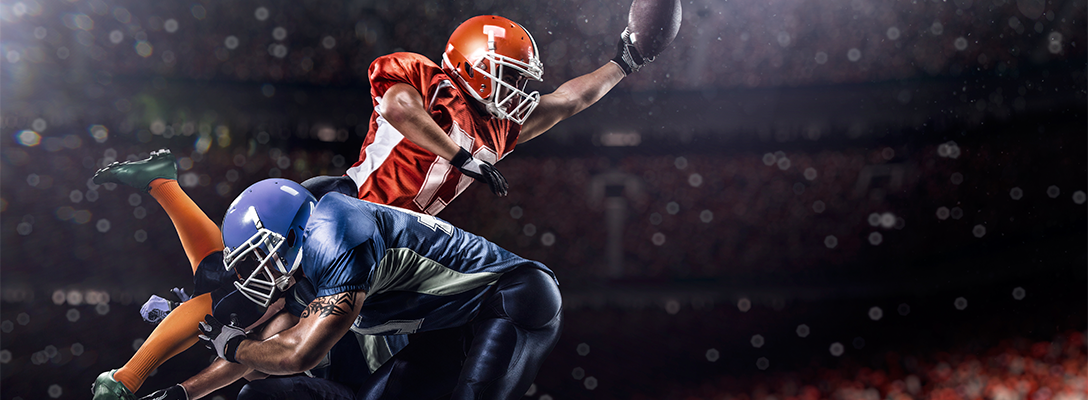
x=653, y=25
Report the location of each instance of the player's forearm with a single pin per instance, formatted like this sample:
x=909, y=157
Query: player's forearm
x=279, y=324
x=279, y=355
x=585, y=90
x=570, y=98
x=403, y=108
x=218, y=375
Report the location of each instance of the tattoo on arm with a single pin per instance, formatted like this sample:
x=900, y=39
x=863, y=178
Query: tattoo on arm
x=331, y=305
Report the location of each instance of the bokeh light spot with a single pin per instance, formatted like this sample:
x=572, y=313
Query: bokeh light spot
x=853, y=55
x=144, y=49
x=590, y=383
x=757, y=341
x=859, y=343
x=960, y=43
x=547, y=239
x=875, y=238
x=672, y=306
x=1053, y=192
x=836, y=349
x=658, y=239
x=744, y=304
x=582, y=349
x=875, y=313
x=706, y=216
x=960, y=303
x=1019, y=293
x=712, y=355
x=28, y=138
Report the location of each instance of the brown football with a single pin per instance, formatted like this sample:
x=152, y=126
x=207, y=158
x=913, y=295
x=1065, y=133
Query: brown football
x=653, y=25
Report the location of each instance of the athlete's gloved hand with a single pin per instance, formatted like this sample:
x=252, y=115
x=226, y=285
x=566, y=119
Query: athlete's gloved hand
x=224, y=339
x=481, y=171
x=627, y=56
x=157, y=308
x=176, y=392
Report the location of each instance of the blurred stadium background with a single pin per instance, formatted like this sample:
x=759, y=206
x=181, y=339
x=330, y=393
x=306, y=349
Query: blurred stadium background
x=799, y=200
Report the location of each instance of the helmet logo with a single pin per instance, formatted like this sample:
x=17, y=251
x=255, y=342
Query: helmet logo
x=494, y=31
x=251, y=216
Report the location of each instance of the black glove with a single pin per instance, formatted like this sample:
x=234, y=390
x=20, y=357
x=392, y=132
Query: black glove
x=224, y=339
x=481, y=171
x=627, y=55
x=176, y=392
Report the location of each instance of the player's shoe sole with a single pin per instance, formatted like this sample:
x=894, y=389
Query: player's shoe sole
x=106, y=388
x=139, y=174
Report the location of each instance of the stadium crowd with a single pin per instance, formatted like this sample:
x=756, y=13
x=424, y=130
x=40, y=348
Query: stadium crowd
x=727, y=44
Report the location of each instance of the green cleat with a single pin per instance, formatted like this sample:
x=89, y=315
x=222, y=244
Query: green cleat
x=105, y=388
x=139, y=174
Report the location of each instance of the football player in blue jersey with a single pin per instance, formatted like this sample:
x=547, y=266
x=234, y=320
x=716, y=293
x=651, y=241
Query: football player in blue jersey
x=202, y=242
x=480, y=319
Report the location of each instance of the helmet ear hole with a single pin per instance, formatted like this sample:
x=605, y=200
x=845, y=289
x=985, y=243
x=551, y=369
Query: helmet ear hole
x=469, y=71
x=291, y=238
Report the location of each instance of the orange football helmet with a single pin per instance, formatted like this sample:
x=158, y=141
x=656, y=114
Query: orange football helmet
x=484, y=50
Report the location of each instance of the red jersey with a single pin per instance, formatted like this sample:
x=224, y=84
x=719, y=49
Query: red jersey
x=394, y=171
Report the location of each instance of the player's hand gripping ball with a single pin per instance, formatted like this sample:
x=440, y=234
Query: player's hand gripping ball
x=653, y=24
x=224, y=339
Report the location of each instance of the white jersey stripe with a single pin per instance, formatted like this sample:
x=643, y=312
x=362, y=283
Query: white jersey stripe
x=385, y=139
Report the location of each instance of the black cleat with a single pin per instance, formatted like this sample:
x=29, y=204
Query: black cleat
x=139, y=174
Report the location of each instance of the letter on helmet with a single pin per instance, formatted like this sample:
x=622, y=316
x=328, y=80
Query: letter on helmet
x=480, y=51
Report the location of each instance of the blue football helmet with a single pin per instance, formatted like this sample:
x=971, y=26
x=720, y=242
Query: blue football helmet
x=263, y=231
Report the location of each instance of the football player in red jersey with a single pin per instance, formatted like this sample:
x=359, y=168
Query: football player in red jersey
x=463, y=116
x=458, y=119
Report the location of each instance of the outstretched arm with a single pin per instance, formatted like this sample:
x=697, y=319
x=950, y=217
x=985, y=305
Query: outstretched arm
x=222, y=373
x=570, y=98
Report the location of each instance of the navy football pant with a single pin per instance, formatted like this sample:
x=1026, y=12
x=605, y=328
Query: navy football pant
x=495, y=356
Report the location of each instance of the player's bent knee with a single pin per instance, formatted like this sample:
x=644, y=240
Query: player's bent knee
x=532, y=299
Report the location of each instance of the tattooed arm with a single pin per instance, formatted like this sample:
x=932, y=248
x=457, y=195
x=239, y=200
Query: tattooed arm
x=301, y=347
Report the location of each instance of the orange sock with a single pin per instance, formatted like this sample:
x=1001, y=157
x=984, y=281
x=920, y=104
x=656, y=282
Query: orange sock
x=199, y=235
x=173, y=335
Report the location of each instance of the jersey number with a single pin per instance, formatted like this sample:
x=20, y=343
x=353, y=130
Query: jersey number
x=429, y=198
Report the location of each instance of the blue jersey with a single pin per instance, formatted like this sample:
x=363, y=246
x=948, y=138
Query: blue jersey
x=419, y=272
